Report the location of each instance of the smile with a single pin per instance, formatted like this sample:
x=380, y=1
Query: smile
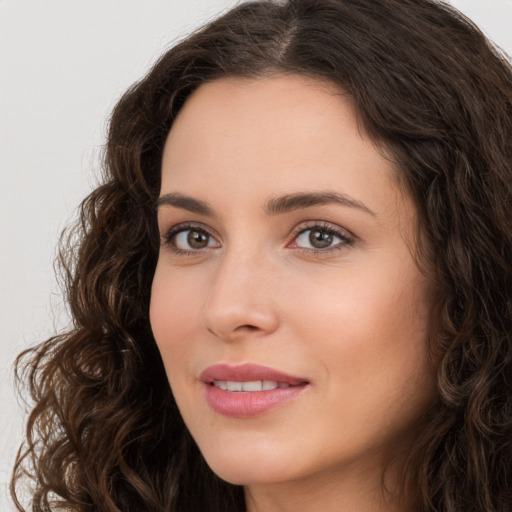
x=249, y=390
x=250, y=386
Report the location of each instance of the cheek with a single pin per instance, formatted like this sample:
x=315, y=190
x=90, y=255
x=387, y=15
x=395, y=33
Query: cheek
x=363, y=307
x=362, y=338
x=370, y=334
x=174, y=312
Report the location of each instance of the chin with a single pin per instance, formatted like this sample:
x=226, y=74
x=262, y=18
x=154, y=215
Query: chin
x=250, y=467
x=243, y=475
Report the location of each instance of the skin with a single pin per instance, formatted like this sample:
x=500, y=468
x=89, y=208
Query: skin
x=350, y=317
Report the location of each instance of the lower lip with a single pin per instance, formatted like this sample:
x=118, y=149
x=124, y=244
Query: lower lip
x=245, y=404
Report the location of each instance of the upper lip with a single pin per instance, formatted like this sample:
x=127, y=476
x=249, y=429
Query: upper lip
x=247, y=372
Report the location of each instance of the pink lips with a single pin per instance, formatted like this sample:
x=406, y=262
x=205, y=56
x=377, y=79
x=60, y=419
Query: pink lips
x=244, y=404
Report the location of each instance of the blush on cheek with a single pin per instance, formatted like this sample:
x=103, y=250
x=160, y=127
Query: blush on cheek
x=174, y=319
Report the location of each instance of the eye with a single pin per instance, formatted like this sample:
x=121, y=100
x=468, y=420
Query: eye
x=321, y=238
x=187, y=239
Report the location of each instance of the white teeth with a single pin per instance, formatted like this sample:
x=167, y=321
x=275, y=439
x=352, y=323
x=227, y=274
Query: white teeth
x=269, y=384
x=252, y=385
x=234, y=386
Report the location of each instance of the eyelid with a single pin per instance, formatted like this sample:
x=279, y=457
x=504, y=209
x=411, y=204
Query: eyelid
x=346, y=236
x=171, y=233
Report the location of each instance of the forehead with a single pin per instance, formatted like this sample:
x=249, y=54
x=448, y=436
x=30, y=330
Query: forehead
x=273, y=135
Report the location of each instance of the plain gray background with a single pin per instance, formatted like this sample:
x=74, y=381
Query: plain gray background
x=63, y=64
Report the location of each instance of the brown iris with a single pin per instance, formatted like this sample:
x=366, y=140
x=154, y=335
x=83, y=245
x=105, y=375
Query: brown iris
x=197, y=239
x=320, y=239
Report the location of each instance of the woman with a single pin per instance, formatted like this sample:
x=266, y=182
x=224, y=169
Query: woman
x=305, y=230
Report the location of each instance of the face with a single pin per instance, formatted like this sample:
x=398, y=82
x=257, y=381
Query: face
x=286, y=304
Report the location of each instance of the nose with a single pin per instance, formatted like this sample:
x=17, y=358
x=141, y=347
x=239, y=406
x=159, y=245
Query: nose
x=241, y=302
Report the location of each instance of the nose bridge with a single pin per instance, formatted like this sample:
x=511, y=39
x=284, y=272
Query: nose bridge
x=241, y=296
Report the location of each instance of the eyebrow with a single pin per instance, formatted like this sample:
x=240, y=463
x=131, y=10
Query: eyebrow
x=275, y=206
x=186, y=203
x=291, y=202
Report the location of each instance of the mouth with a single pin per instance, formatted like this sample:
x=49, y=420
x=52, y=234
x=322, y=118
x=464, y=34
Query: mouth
x=250, y=386
x=249, y=390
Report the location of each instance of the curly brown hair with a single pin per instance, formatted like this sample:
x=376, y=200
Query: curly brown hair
x=105, y=433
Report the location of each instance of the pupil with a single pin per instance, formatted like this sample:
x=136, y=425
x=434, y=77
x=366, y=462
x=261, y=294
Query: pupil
x=197, y=240
x=320, y=239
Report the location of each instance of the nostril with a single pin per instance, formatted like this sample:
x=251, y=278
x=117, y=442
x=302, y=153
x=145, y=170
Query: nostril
x=245, y=327
x=248, y=327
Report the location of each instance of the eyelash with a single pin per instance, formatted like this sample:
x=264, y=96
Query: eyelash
x=168, y=239
x=346, y=237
